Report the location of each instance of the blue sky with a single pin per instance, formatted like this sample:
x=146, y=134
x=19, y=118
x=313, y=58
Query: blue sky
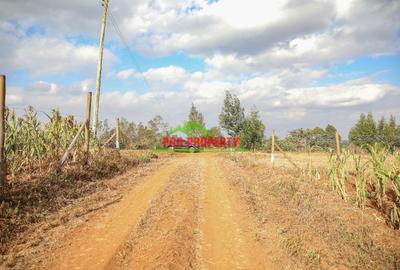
x=302, y=64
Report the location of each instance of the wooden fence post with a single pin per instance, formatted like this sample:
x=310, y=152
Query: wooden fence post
x=338, y=149
x=273, y=147
x=3, y=167
x=87, y=126
x=117, y=134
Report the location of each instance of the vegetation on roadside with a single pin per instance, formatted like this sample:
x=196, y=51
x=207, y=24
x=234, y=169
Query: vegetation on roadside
x=34, y=189
x=376, y=180
x=31, y=197
x=312, y=222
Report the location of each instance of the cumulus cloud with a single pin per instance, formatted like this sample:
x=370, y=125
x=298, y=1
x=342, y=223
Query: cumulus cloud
x=342, y=95
x=169, y=74
x=269, y=53
x=275, y=95
x=45, y=55
x=297, y=32
x=125, y=74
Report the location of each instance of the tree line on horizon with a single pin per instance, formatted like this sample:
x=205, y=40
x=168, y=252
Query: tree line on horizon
x=234, y=120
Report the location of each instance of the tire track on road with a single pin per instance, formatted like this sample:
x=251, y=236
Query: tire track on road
x=227, y=238
x=93, y=245
x=166, y=236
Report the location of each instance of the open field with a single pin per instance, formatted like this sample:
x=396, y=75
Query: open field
x=208, y=211
x=317, y=159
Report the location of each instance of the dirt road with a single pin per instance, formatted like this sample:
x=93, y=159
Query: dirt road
x=204, y=211
x=183, y=216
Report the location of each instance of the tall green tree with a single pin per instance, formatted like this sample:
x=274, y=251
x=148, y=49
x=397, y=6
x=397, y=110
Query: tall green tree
x=192, y=129
x=313, y=139
x=252, y=132
x=390, y=134
x=330, y=137
x=232, y=116
x=365, y=131
x=195, y=115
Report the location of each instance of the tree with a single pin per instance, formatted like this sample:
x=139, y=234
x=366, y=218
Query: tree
x=311, y=139
x=157, y=128
x=330, y=137
x=144, y=138
x=192, y=129
x=215, y=132
x=232, y=116
x=389, y=134
x=128, y=133
x=195, y=115
x=252, y=132
x=364, y=132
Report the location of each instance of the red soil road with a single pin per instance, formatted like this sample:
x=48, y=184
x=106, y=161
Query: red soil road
x=227, y=239
x=93, y=246
x=223, y=238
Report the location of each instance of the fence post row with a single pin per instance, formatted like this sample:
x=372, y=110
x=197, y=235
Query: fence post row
x=87, y=126
x=3, y=167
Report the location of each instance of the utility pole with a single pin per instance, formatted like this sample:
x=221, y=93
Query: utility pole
x=99, y=68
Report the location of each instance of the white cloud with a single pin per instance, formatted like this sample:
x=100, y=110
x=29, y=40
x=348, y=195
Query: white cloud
x=275, y=95
x=45, y=55
x=125, y=74
x=342, y=95
x=270, y=53
x=246, y=14
x=169, y=74
x=86, y=85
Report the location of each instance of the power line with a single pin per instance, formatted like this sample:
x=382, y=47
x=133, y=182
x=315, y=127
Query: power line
x=132, y=58
x=123, y=40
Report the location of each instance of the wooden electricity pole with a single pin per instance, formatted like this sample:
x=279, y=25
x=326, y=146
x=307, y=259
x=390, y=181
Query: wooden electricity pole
x=2, y=131
x=117, y=134
x=99, y=68
x=272, y=147
x=87, y=125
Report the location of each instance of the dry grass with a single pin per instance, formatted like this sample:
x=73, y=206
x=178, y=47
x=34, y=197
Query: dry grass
x=313, y=223
x=30, y=198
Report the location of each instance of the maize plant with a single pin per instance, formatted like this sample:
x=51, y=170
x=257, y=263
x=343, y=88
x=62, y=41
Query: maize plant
x=395, y=216
x=361, y=180
x=29, y=143
x=312, y=172
x=393, y=174
x=332, y=171
x=378, y=157
x=337, y=172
